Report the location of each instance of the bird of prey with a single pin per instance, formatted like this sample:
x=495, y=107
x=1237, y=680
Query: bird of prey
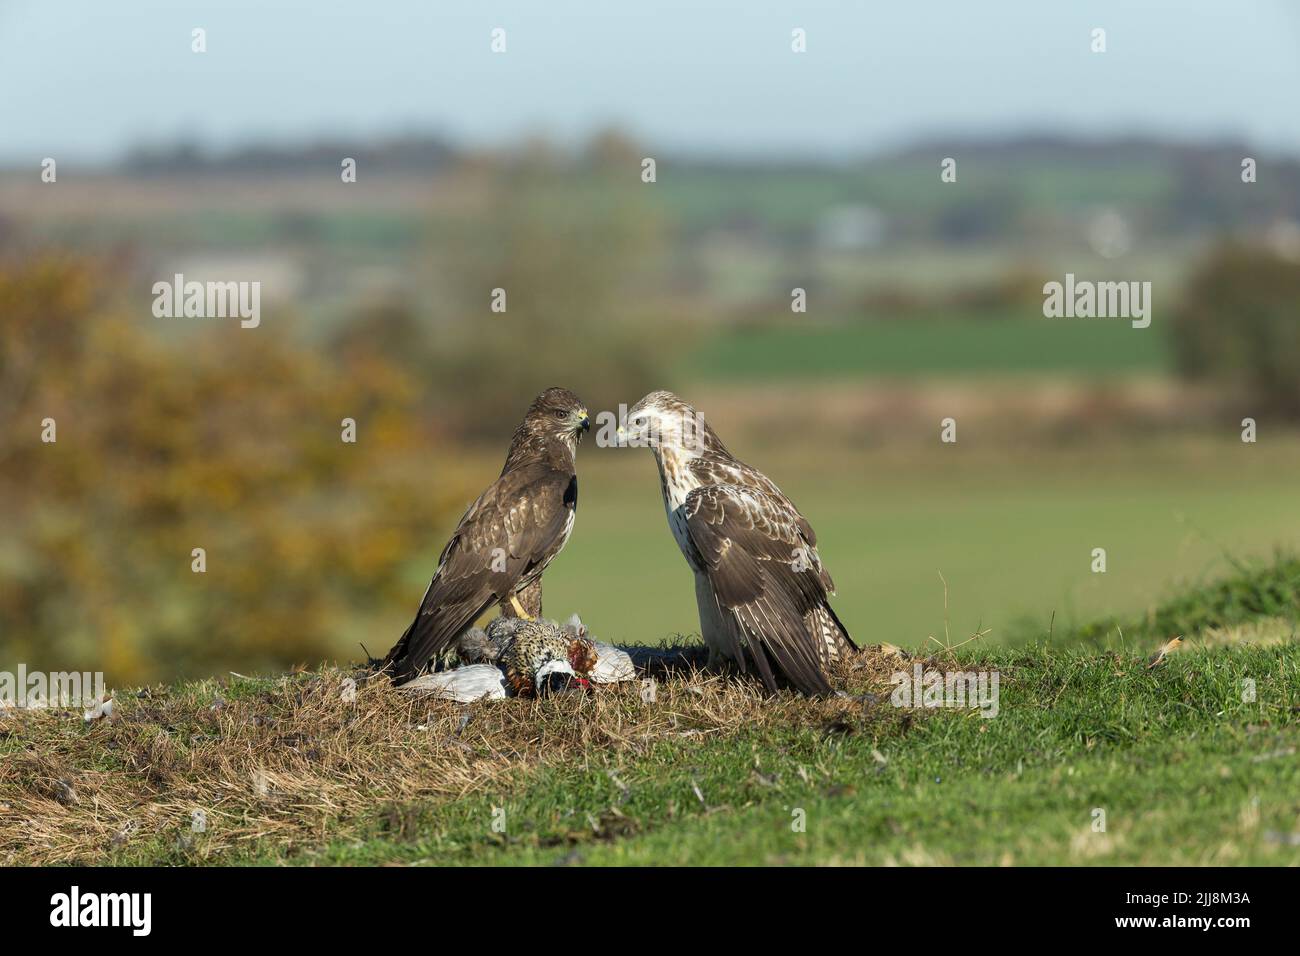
x=759, y=582
x=507, y=538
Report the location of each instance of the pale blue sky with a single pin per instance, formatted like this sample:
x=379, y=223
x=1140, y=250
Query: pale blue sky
x=86, y=79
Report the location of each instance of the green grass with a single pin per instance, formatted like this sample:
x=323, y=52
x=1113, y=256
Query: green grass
x=948, y=346
x=1189, y=762
x=1261, y=599
x=1185, y=772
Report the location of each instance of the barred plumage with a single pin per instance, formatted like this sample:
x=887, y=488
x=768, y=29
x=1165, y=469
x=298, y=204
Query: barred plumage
x=533, y=645
x=762, y=591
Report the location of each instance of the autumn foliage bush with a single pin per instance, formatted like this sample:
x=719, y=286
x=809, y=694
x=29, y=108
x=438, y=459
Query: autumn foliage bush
x=211, y=437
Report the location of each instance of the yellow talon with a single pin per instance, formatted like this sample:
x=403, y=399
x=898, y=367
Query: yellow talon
x=519, y=609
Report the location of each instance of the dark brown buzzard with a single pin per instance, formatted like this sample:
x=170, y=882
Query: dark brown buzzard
x=759, y=582
x=507, y=537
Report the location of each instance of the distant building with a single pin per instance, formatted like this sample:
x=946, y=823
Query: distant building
x=281, y=279
x=849, y=228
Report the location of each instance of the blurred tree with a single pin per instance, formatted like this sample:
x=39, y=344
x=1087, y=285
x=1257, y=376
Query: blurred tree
x=230, y=441
x=579, y=250
x=1239, y=323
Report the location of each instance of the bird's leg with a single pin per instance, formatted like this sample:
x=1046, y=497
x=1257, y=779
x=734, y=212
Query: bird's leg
x=526, y=603
x=519, y=609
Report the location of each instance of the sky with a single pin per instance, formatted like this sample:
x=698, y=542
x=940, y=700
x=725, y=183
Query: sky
x=90, y=79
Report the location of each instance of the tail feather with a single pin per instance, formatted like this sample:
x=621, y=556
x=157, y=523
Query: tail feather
x=425, y=637
x=833, y=639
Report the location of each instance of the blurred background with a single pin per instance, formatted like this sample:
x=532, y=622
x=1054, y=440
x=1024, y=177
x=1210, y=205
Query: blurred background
x=522, y=170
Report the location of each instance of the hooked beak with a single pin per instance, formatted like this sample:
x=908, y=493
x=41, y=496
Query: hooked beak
x=584, y=421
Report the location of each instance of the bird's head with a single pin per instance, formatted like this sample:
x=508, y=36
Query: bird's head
x=559, y=415
x=560, y=677
x=582, y=656
x=662, y=421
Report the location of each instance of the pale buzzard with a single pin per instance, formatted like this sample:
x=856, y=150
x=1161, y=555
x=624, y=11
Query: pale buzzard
x=759, y=581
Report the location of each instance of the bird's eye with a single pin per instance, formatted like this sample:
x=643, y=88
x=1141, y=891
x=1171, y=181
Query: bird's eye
x=559, y=413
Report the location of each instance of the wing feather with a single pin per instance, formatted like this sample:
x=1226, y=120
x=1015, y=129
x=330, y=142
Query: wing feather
x=525, y=514
x=712, y=470
x=762, y=568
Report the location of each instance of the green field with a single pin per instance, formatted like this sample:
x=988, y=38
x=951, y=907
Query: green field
x=1012, y=532
x=791, y=198
x=948, y=346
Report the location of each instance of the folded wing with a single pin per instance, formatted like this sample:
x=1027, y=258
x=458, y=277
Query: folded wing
x=765, y=578
x=505, y=539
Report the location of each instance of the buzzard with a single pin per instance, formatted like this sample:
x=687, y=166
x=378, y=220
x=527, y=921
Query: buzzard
x=507, y=537
x=759, y=581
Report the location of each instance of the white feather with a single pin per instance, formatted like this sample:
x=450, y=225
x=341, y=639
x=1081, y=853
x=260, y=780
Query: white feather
x=612, y=665
x=464, y=684
x=552, y=667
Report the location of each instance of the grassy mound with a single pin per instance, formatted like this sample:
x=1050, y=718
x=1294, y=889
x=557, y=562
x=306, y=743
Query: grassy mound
x=1095, y=755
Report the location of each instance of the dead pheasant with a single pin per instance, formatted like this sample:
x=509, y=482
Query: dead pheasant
x=540, y=657
x=546, y=658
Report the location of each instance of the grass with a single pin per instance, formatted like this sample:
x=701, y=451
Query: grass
x=1177, y=766
x=1191, y=762
x=941, y=346
x=1256, y=603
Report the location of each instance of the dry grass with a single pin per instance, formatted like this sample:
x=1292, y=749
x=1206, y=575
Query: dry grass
x=287, y=761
